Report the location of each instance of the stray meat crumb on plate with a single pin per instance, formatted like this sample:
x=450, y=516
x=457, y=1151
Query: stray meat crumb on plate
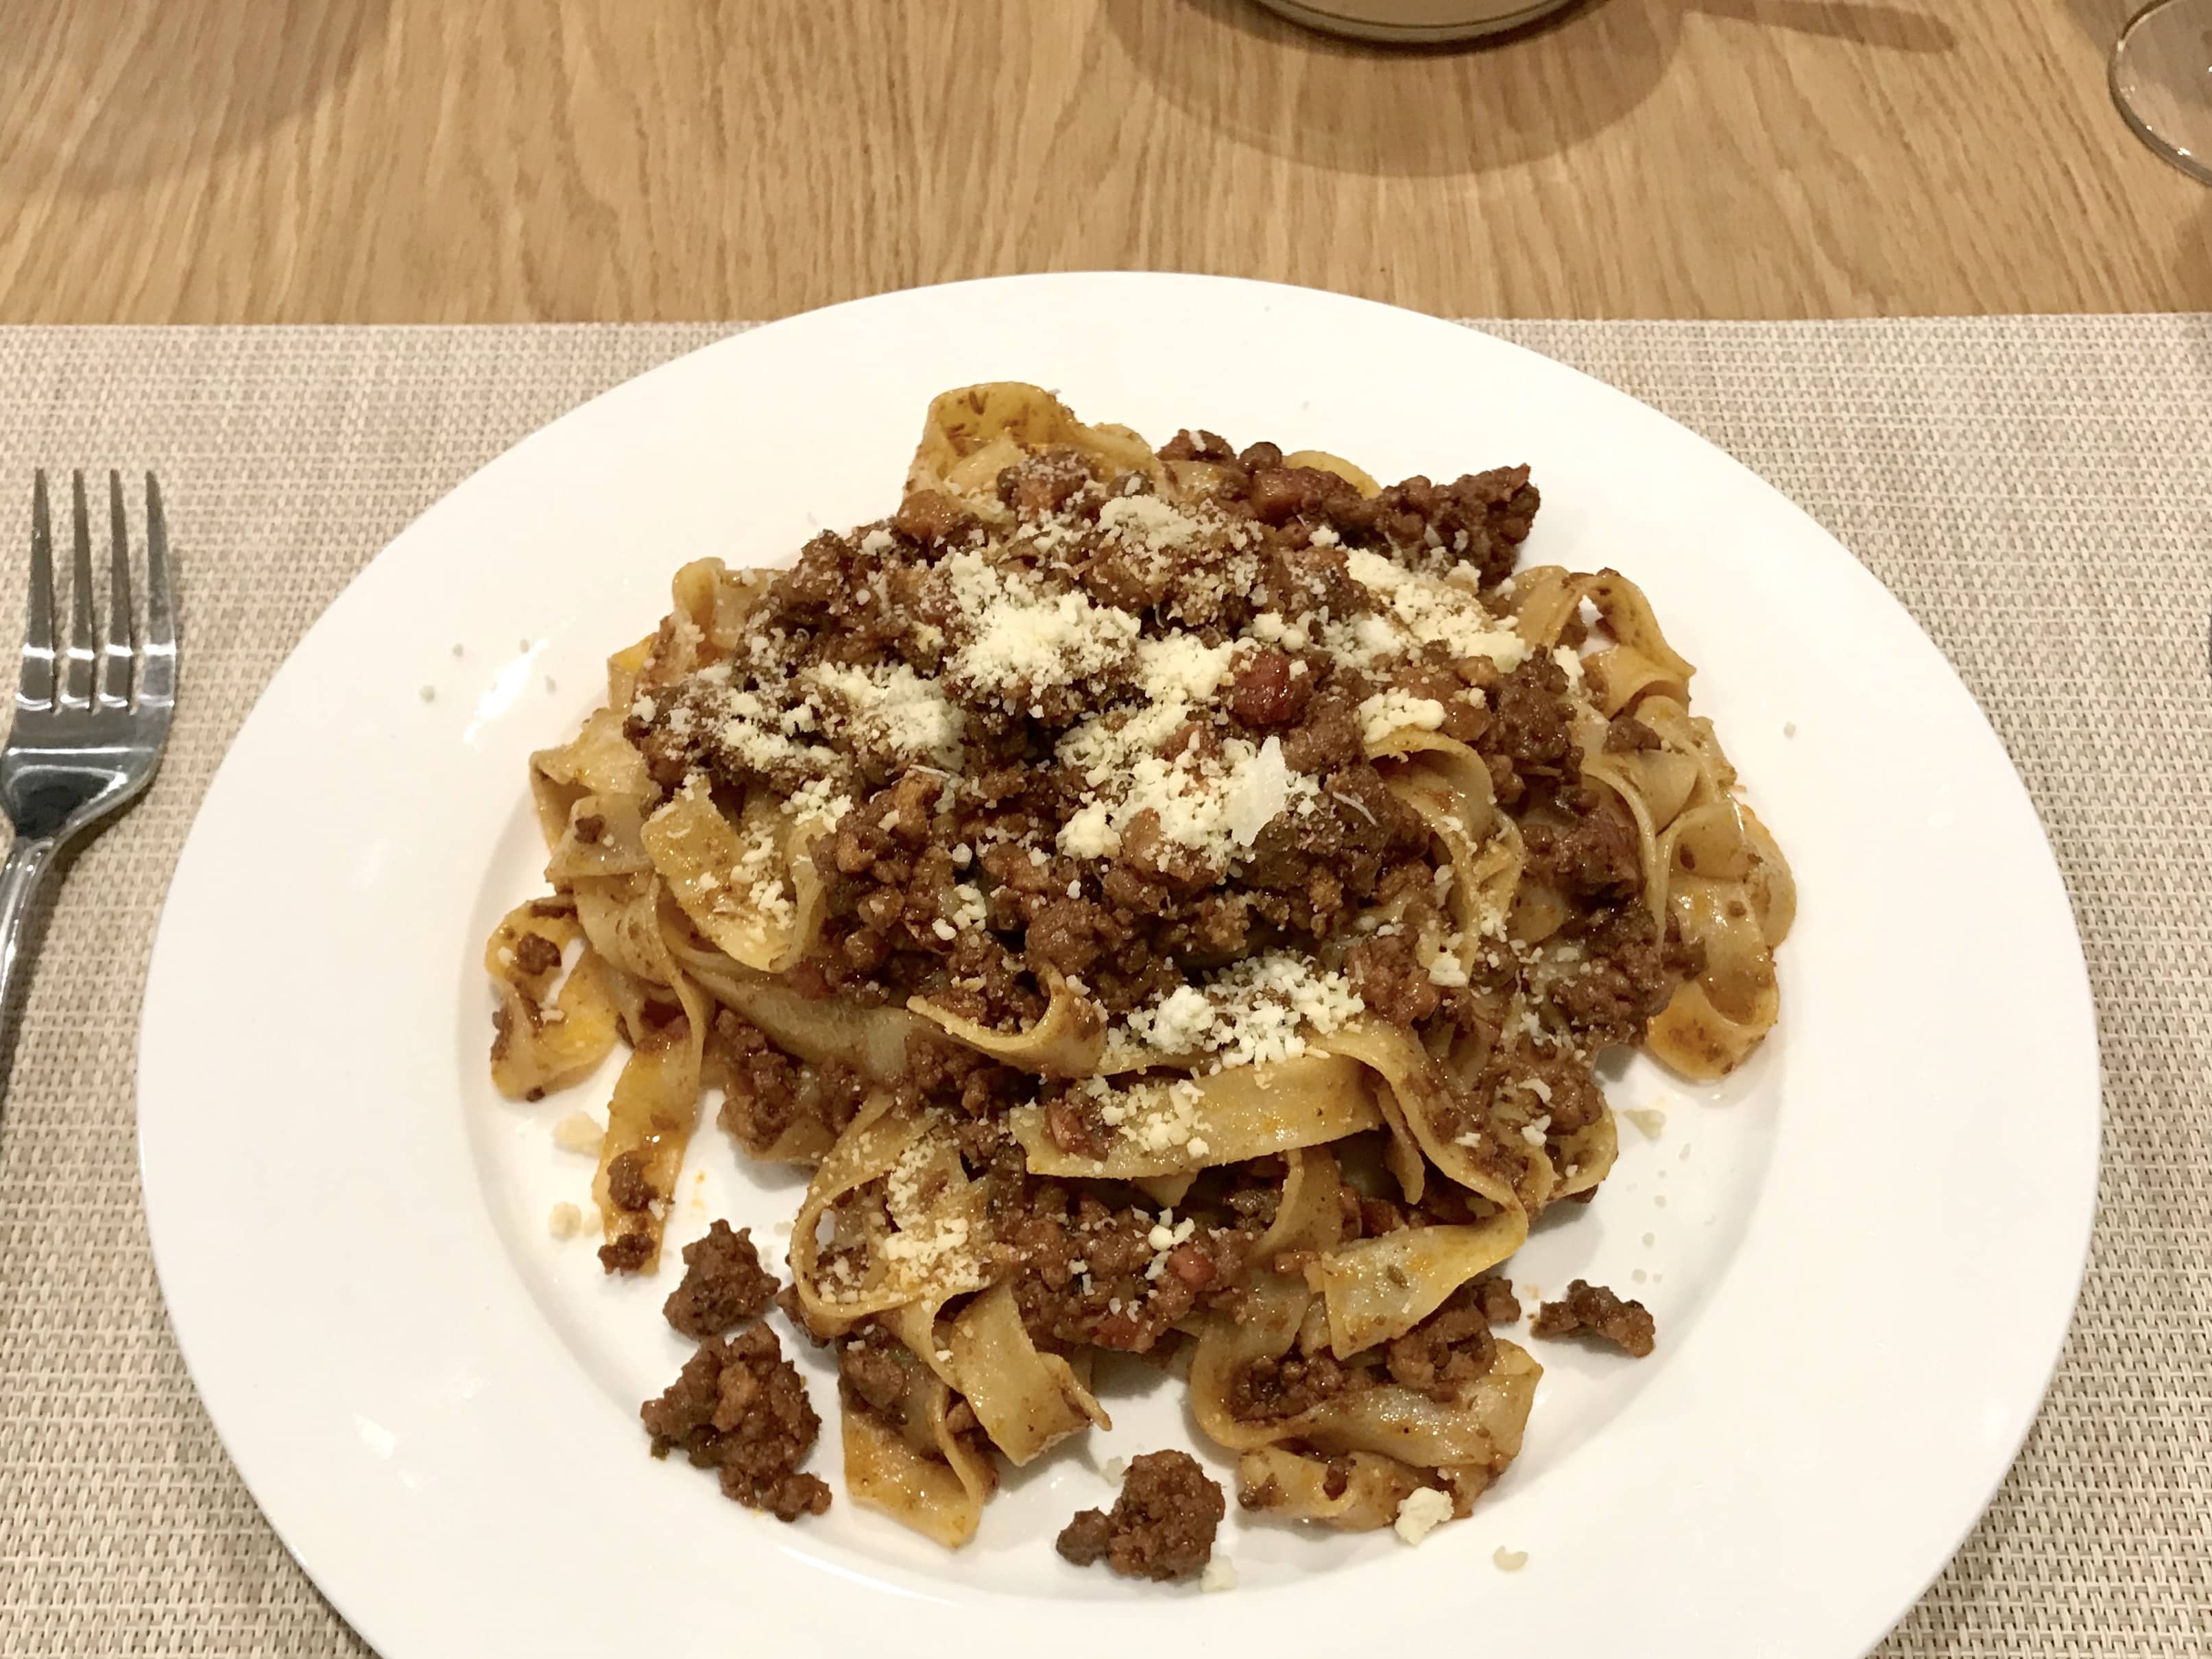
x=1593, y=1310
x=1161, y=1526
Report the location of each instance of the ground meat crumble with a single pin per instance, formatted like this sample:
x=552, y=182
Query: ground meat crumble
x=1160, y=1528
x=627, y=1185
x=1597, y=1311
x=1443, y=1356
x=724, y=1284
x=1084, y=1268
x=740, y=1408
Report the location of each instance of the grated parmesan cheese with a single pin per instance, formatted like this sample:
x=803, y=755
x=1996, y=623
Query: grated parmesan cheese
x=888, y=706
x=1090, y=833
x=1445, y=968
x=1393, y=711
x=1430, y=612
x=1182, y=668
x=1167, y=1232
x=1148, y=523
x=927, y=1244
x=972, y=912
x=1423, y=1510
x=819, y=798
x=761, y=732
x=1271, y=627
x=577, y=1133
x=1214, y=803
x=1018, y=637
x=1153, y=1116
x=1254, y=1013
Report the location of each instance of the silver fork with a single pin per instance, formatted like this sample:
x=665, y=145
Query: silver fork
x=81, y=752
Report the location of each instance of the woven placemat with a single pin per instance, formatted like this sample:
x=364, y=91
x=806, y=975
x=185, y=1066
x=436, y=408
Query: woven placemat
x=2037, y=491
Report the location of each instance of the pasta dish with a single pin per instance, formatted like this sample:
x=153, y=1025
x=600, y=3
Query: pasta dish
x=1170, y=900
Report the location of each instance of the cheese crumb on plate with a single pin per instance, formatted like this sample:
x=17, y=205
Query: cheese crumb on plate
x=1425, y=1509
x=577, y=1133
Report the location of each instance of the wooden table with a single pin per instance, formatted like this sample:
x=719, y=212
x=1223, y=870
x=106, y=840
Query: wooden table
x=451, y=160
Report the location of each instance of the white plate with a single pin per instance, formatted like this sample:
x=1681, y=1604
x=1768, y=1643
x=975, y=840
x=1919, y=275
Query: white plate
x=1862, y=1251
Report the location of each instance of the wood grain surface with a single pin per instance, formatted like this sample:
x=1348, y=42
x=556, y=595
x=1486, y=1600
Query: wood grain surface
x=473, y=161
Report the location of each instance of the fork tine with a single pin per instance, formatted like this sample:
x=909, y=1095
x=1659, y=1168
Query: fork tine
x=115, y=652
x=157, y=667
x=35, y=689
x=76, y=666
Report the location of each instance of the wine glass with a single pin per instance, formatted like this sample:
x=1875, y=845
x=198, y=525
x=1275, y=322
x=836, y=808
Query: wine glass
x=2162, y=81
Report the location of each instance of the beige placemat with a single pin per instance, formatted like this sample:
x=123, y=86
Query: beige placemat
x=2039, y=492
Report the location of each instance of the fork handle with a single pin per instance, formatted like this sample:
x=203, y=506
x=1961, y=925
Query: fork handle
x=27, y=862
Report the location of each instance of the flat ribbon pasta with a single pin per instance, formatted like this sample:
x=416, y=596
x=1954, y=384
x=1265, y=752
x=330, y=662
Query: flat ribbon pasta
x=1714, y=873
x=1068, y=1041
x=922, y=1241
x=1448, y=785
x=1586, y=1157
x=710, y=604
x=921, y=1473
x=1378, y=1289
x=716, y=600
x=624, y=669
x=1027, y=1401
x=1163, y=1127
x=1418, y=1113
x=1713, y=1022
x=1308, y=1219
x=655, y=1104
x=599, y=761
x=873, y=1040
x=1322, y=461
x=971, y=436
x=1395, y=1422
x=1481, y=1430
x=750, y=887
x=1637, y=663
x=650, y=1117
x=918, y=1472
x=604, y=836
x=539, y=1049
x=1368, y=1488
